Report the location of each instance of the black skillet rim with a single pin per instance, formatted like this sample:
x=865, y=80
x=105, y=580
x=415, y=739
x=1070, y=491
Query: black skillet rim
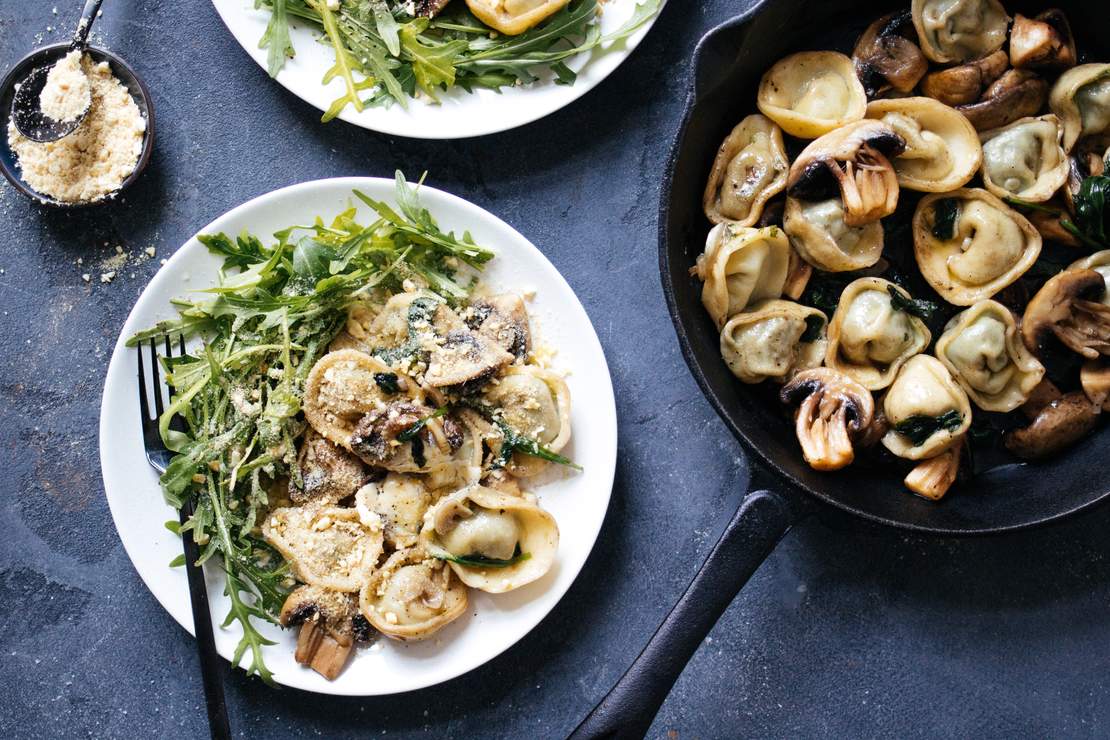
x=13, y=177
x=762, y=458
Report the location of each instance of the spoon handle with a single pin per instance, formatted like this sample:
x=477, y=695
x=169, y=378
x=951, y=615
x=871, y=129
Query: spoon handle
x=88, y=15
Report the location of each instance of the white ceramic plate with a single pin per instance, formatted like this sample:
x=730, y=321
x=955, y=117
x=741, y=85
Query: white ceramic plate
x=460, y=114
x=578, y=501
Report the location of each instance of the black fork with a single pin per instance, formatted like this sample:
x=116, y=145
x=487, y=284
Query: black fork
x=159, y=457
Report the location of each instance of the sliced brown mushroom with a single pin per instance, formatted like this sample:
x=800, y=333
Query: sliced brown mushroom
x=965, y=83
x=1059, y=425
x=851, y=161
x=460, y=355
x=1044, y=42
x=1043, y=394
x=833, y=411
x=328, y=473
x=797, y=276
x=1016, y=94
x=503, y=320
x=330, y=624
x=933, y=477
x=1069, y=307
x=1095, y=379
x=887, y=56
x=1048, y=223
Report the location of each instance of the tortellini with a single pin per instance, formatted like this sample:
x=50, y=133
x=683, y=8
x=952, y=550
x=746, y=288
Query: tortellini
x=774, y=340
x=942, y=147
x=1025, y=160
x=536, y=404
x=513, y=17
x=1081, y=99
x=325, y=546
x=494, y=542
x=818, y=232
x=412, y=596
x=397, y=504
x=811, y=93
x=1100, y=263
x=983, y=350
x=340, y=390
x=959, y=30
x=869, y=338
x=741, y=266
x=969, y=244
x=927, y=399
x=750, y=168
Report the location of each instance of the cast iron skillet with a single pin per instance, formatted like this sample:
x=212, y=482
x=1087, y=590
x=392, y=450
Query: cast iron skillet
x=727, y=66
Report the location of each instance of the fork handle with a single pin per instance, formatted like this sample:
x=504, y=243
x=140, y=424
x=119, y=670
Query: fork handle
x=210, y=666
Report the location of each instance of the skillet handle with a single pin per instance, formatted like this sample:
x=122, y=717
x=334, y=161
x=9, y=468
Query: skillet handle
x=629, y=708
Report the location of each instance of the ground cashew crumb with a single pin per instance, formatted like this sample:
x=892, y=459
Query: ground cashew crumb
x=98, y=156
x=67, y=92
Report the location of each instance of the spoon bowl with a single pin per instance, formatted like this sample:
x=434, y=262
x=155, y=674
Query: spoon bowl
x=27, y=113
x=45, y=58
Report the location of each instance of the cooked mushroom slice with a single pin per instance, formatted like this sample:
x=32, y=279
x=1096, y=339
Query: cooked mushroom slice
x=739, y=267
x=869, y=337
x=965, y=83
x=887, y=56
x=502, y=481
x=327, y=632
x=818, y=232
x=1069, y=306
x=852, y=162
x=927, y=410
x=503, y=320
x=412, y=596
x=514, y=17
x=750, y=168
x=833, y=411
x=1100, y=263
x=942, y=149
x=325, y=546
x=1044, y=42
x=933, y=477
x=969, y=244
x=982, y=349
x=397, y=503
x=1043, y=394
x=1049, y=222
x=797, y=276
x=406, y=437
x=533, y=403
x=1081, y=99
x=457, y=355
x=1059, y=425
x=959, y=30
x=1024, y=160
x=342, y=387
x=493, y=541
x=811, y=93
x=773, y=340
x=328, y=473
x=1018, y=93
x=1095, y=379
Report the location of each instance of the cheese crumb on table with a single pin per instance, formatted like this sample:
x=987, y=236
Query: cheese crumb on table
x=94, y=160
x=67, y=92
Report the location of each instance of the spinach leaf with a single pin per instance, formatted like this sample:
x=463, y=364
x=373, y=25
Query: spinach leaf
x=475, y=560
x=919, y=428
x=387, y=382
x=946, y=211
x=814, y=326
x=920, y=308
x=409, y=434
x=1091, y=215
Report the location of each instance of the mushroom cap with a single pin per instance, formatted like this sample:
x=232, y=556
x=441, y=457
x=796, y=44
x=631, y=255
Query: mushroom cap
x=858, y=401
x=1044, y=42
x=1094, y=377
x=887, y=56
x=942, y=149
x=1018, y=93
x=1100, y=263
x=1054, y=304
x=1059, y=425
x=810, y=178
x=965, y=83
x=810, y=93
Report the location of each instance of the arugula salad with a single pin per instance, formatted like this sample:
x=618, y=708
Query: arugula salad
x=389, y=52
x=361, y=418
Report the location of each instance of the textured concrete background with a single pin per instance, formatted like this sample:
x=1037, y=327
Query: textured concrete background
x=844, y=632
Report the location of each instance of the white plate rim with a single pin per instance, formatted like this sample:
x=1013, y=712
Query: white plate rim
x=424, y=121
x=121, y=368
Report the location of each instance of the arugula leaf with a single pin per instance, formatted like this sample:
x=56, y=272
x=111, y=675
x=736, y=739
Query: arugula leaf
x=433, y=66
x=920, y=308
x=919, y=428
x=275, y=40
x=311, y=259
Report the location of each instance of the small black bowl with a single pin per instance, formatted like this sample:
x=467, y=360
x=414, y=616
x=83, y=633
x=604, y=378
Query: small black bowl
x=50, y=55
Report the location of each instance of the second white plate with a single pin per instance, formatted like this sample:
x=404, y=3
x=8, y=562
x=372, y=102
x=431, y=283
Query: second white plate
x=577, y=501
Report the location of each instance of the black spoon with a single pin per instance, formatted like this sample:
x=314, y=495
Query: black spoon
x=26, y=113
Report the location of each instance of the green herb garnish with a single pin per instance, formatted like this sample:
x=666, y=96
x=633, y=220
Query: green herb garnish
x=946, y=211
x=387, y=382
x=239, y=393
x=814, y=326
x=409, y=434
x=920, y=308
x=1092, y=219
x=475, y=560
x=919, y=428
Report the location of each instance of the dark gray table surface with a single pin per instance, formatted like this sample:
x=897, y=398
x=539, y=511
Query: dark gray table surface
x=845, y=631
